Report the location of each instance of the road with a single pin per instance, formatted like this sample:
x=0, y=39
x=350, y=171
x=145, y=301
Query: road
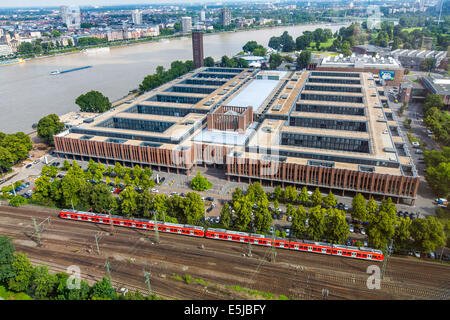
x=294, y=274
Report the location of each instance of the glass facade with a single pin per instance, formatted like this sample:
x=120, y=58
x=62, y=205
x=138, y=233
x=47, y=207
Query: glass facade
x=311, y=87
x=328, y=124
x=336, y=80
x=136, y=124
x=335, y=98
x=335, y=74
x=325, y=142
x=354, y=111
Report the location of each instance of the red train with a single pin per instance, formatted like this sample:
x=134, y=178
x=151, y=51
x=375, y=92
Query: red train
x=228, y=235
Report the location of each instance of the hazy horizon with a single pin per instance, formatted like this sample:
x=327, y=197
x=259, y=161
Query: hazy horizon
x=57, y=3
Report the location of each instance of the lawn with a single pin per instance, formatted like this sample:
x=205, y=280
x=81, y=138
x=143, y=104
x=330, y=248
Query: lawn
x=8, y=295
x=323, y=45
x=412, y=29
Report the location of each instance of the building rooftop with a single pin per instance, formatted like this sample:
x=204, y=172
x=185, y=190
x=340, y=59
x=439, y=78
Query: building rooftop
x=439, y=86
x=360, y=61
x=314, y=117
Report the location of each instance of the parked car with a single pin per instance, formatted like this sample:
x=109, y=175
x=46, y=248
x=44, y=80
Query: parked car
x=289, y=219
x=363, y=231
x=288, y=232
x=351, y=228
x=345, y=207
x=415, y=144
x=419, y=151
x=28, y=165
x=182, y=194
x=209, y=198
x=209, y=209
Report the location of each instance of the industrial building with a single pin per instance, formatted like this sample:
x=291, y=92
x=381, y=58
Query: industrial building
x=412, y=59
x=321, y=129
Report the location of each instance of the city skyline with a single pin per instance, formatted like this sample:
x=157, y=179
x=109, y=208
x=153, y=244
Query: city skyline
x=58, y=3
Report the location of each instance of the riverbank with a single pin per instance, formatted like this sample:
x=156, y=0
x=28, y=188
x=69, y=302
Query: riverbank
x=135, y=42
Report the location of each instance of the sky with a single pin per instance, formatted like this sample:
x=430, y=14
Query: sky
x=57, y=3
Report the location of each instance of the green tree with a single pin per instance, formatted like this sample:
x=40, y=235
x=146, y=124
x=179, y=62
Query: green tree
x=17, y=201
x=208, y=62
x=303, y=59
x=299, y=222
x=193, y=208
x=66, y=165
x=316, y=197
x=49, y=126
x=428, y=234
x=381, y=229
x=200, y=183
x=290, y=194
x=93, y=101
x=371, y=206
x=6, y=259
x=103, y=290
x=278, y=193
x=316, y=224
x=330, y=200
x=128, y=205
x=225, y=215
x=49, y=171
x=22, y=269
x=337, y=229
x=42, y=282
x=359, y=210
x=275, y=60
x=101, y=198
x=62, y=292
x=402, y=233
x=303, y=196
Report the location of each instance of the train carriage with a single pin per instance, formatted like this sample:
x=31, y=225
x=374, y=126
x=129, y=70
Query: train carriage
x=227, y=235
x=310, y=246
x=358, y=253
x=269, y=241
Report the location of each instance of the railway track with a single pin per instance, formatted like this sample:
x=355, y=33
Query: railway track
x=295, y=274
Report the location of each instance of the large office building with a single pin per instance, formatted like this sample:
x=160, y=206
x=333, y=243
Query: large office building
x=136, y=17
x=186, y=24
x=321, y=129
x=225, y=16
x=197, y=48
x=70, y=15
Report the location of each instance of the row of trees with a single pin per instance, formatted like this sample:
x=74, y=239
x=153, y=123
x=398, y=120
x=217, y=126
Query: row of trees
x=254, y=48
x=87, y=190
x=18, y=275
x=13, y=148
x=177, y=68
x=382, y=221
x=437, y=118
x=233, y=62
x=438, y=171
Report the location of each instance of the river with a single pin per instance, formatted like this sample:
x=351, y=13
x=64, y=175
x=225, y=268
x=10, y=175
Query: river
x=28, y=91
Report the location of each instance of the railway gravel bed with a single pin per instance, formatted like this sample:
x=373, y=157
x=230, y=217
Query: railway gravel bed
x=223, y=264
